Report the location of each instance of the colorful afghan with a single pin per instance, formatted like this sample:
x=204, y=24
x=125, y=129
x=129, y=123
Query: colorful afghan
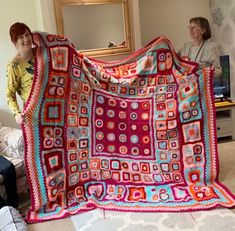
x=130, y=135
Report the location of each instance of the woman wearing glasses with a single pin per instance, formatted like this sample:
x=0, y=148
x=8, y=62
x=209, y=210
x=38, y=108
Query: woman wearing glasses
x=201, y=49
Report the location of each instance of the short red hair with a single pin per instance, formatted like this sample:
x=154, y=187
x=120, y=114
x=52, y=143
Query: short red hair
x=18, y=29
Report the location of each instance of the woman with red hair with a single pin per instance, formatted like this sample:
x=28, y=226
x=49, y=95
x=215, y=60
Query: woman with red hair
x=20, y=70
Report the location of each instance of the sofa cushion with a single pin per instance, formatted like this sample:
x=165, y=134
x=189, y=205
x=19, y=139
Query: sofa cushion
x=11, y=220
x=12, y=147
x=11, y=142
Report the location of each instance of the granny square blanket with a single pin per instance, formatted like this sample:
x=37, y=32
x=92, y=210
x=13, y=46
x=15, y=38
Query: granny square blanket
x=136, y=134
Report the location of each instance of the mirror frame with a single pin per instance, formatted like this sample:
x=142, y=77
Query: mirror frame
x=119, y=50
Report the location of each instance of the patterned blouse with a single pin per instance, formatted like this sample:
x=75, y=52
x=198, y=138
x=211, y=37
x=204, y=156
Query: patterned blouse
x=19, y=80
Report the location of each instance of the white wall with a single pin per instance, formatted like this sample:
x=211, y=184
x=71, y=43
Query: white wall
x=169, y=18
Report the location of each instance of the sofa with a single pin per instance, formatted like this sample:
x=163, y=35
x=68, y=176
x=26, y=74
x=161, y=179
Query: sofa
x=12, y=147
x=11, y=220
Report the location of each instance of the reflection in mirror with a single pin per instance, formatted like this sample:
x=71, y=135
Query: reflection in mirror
x=109, y=32
x=96, y=27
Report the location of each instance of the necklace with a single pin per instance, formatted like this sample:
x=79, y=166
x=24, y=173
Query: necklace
x=189, y=52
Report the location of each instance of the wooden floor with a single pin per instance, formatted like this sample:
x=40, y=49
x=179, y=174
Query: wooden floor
x=59, y=225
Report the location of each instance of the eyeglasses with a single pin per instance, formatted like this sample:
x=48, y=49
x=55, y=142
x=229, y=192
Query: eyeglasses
x=193, y=27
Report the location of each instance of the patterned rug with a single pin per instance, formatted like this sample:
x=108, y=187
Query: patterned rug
x=216, y=220
x=131, y=135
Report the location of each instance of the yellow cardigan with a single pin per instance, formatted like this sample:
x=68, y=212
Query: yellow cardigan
x=19, y=80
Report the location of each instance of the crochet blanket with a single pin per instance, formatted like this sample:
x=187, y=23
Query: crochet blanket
x=136, y=134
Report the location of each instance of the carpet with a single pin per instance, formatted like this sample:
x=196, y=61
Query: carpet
x=136, y=134
x=216, y=220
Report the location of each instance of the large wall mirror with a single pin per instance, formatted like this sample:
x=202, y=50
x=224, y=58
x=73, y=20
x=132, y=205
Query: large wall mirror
x=96, y=27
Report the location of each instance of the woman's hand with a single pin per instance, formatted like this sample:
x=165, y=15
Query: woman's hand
x=19, y=119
